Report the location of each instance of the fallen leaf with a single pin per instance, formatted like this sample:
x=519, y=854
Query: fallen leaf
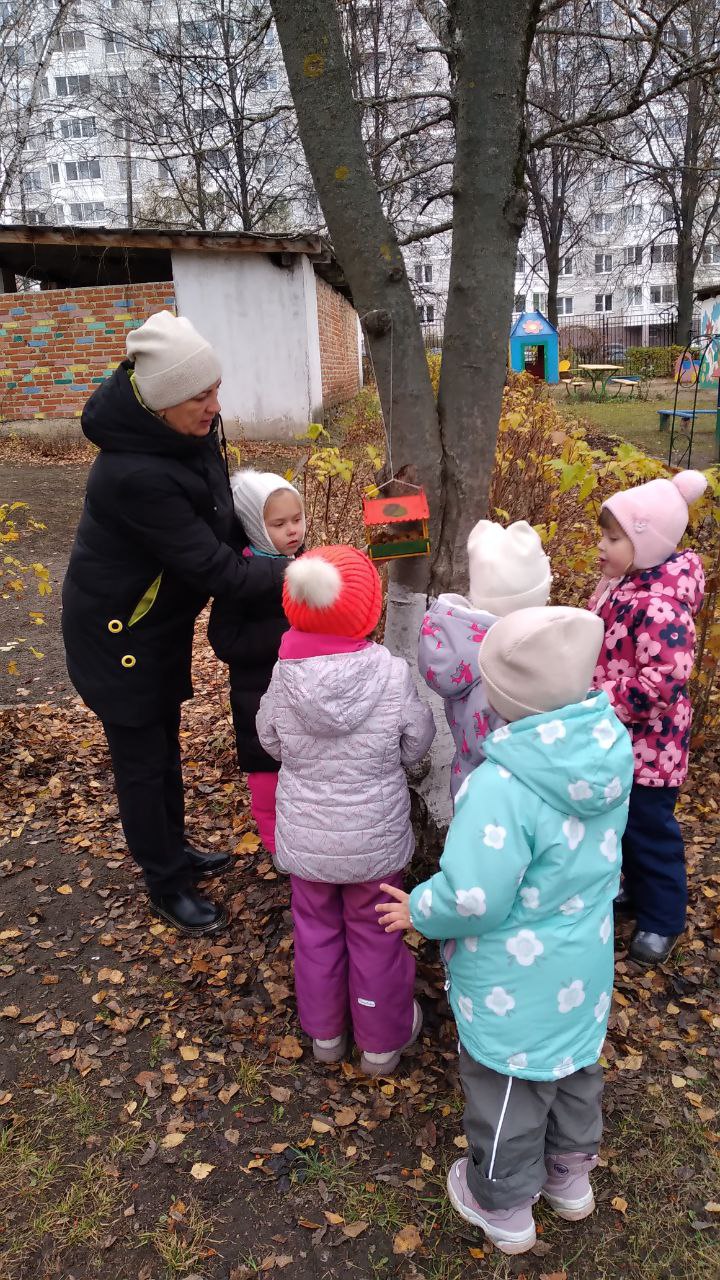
x=407, y=1240
x=553, y=1275
x=334, y=1218
x=64, y=889
x=232, y=1136
x=353, y=1229
x=7, y=934
x=172, y=1140
x=226, y=1094
x=279, y=1093
x=111, y=975
x=10, y=1011
x=679, y=1082
x=426, y=1162
x=476, y=1253
x=345, y=1116
x=289, y=1047
x=5, y=1097
x=461, y=1142
x=308, y=1224
x=712, y=1206
x=189, y=1052
x=319, y=1126
x=619, y=1204
x=201, y=1171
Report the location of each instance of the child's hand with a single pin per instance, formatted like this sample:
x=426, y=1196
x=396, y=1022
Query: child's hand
x=397, y=914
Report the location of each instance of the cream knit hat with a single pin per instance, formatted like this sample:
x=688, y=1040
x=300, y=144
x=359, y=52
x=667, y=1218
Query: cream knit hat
x=537, y=660
x=251, y=490
x=172, y=362
x=508, y=567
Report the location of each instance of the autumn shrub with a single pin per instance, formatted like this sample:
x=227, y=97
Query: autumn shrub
x=17, y=576
x=657, y=362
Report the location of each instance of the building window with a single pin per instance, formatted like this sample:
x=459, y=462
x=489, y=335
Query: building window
x=268, y=80
x=218, y=159
x=114, y=44
x=565, y=306
x=602, y=223
x=36, y=218
x=92, y=211
x=539, y=301
x=633, y=255
x=133, y=165
x=118, y=84
x=603, y=262
x=603, y=301
x=82, y=170
x=426, y=313
x=423, y=272
x=69, y=86
x=78, y=127
x=49, y=130
x=663, y=253
x=165, y=172
x=711, y=255
x=633, y=215
x=633, y=295
x=519, y=303
x=662, y=293
x=520, y=264
x=71, y=41
x=33, y=181
x=54, y=172
x=566, y=265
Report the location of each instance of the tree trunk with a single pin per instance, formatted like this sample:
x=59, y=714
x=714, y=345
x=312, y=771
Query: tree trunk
x=489, y=208
x=553, y=278
x=689, y=194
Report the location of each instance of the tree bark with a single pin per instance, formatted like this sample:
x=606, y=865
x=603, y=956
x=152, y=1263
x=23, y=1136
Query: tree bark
x=493, y=39
x=364, y=241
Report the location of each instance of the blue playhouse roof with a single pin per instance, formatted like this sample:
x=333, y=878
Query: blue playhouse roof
x=532, y=324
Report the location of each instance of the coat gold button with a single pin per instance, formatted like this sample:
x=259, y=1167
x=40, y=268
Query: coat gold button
x=128, y=660
x=115, y=625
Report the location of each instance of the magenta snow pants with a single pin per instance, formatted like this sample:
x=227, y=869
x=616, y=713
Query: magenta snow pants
x=262, y=788
x=348, y=971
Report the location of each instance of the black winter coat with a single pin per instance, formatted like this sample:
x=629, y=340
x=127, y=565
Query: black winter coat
x=248, y=640
x=150, y=549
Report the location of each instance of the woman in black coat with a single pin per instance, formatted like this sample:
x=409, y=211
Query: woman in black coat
x=152, y=546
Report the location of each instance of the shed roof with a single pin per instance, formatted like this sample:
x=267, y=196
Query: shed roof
x=532, y=324
x=69, y=257
x=708, y=291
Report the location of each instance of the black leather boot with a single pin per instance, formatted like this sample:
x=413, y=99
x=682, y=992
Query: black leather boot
x=189, y=912
x=652, y=948
x=205, y=865
x=623, y=903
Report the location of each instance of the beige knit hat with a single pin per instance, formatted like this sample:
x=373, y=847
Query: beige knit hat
x=172, y=362
x=546, y=657
x=508, y=567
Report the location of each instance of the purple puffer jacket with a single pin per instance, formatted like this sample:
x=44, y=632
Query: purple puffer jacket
x=343, y=725
x=448, y=645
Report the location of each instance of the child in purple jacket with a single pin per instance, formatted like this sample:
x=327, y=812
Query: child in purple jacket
x=508, y=570
x=647, y=598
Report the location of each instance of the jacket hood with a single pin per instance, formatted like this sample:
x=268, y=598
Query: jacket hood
x=334, y=694
x=451, y=634
x=577, y=759
x=115, y=420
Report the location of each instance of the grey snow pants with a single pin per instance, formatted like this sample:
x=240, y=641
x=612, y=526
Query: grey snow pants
x=512, y=1124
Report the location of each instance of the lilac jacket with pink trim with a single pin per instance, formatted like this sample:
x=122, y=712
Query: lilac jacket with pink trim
x=646, y=660
x=448, y=645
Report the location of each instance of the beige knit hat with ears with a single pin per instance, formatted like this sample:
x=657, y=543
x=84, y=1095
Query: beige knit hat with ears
x=508, y=567
x=539, y=659
x=172, y=362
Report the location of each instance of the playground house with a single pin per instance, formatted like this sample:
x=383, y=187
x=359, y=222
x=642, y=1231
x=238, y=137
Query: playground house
x=534, y=347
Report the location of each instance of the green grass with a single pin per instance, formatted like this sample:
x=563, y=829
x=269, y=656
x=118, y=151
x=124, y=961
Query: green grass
x=637, y=420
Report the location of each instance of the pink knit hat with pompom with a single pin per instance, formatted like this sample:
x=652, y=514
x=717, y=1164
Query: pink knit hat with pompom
x=655, y=515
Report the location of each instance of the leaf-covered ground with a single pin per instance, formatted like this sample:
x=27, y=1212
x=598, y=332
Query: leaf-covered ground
x=160, y=1112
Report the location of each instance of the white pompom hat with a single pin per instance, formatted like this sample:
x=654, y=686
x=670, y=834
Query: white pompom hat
x=655, y=515
x=508, y=567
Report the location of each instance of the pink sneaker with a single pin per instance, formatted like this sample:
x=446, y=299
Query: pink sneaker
x=567, y=1187
x=511, y=1230
x=331, y=1050
x=383, y=1064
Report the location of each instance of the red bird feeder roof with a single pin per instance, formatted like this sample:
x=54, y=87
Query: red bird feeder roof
x=392, y=510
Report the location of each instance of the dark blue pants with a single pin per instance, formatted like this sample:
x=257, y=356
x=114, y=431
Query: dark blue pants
x=653, y=858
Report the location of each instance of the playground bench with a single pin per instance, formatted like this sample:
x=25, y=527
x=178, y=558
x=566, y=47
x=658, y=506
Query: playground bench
x=631, y=383
x=572, y=384
x=665, y=416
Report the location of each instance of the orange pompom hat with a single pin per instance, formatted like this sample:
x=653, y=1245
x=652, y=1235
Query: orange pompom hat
x=333, y=591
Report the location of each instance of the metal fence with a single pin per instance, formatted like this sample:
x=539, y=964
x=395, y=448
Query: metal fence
x=600, y=334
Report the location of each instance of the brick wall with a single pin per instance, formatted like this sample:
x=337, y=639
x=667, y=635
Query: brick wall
x=338, y=345
x=58, y=344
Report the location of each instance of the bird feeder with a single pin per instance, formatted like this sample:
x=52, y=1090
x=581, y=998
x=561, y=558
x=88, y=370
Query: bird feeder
x=397, y=527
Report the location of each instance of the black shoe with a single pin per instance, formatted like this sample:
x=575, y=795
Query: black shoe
x=652, y=948
x=623, y=903
x=188, y=912
x=205, y=865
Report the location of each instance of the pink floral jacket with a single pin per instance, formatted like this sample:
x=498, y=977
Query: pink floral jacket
x=646, y=660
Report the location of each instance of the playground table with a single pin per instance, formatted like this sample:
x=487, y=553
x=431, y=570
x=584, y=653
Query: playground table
x=599, y=373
